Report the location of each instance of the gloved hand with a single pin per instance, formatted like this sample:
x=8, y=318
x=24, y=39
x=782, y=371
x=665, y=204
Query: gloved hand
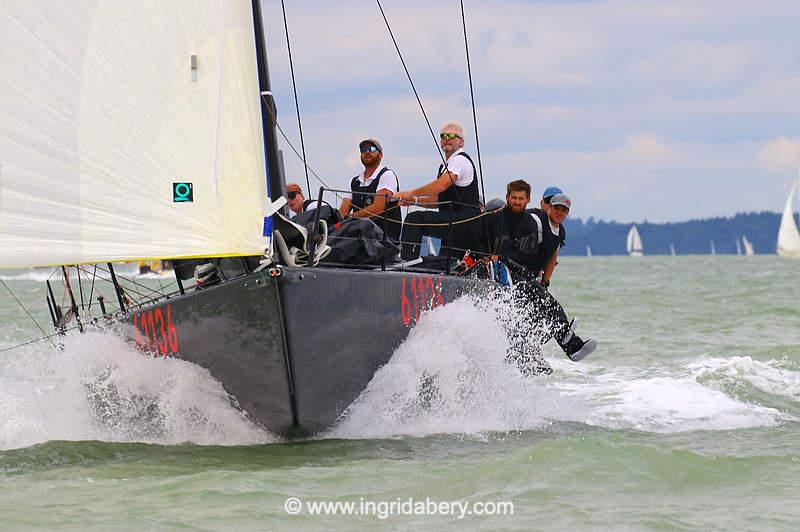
x=545, y=283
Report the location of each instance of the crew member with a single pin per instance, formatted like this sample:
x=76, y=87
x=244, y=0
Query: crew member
x=372, y=190
x=296, y=202
x=527, y=242
x=544, y=206
x=456, y=188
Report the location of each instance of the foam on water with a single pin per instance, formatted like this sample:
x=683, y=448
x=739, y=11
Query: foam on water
x=100, y=388
x=775, y=377
x=450, y=376
x=461, y=348
x=623, y=400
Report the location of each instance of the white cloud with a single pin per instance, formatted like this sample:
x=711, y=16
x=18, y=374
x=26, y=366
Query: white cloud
x=780, y=154
x=622, y=101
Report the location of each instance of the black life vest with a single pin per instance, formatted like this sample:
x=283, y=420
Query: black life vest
x=363, y=196
x=468, y=194
x=548, y=242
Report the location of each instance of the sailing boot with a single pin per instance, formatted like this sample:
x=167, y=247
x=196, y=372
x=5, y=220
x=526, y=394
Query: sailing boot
x=577, y=349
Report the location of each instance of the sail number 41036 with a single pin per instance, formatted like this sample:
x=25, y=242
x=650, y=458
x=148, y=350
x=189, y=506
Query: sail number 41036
x=154, y=331
x=419, y=294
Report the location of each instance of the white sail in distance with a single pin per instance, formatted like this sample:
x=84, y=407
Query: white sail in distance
x=788, y=234
x=748, y=246
x=634, y=242
x=104, y=107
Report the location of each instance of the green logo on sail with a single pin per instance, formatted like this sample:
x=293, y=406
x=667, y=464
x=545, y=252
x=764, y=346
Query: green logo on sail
x=182, y=192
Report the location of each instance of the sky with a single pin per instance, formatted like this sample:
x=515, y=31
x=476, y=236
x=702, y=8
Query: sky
x=640, y=110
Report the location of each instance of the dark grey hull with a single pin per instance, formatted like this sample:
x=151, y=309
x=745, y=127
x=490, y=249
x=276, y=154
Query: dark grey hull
x=294, y=350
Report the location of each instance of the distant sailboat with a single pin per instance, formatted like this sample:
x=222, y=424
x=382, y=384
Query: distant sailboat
x=588, y=251
x=788, y=234
x=634, y=242
x=672, y=250
x=713, y=248
x=432, y=249
x=738, y=247
x=748, y=246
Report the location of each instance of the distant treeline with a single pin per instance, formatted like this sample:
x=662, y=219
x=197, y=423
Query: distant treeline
x=689, y=238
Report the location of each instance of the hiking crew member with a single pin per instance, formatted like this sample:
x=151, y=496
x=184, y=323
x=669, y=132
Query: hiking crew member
x=544, y=206
x=371, y=189
x=456, y=181
x=527, y=243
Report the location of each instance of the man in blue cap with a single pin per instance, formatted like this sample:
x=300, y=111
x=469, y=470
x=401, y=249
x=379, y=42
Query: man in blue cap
x=548, y=194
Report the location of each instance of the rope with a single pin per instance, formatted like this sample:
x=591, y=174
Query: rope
x=296, y=104
x=26, y=312
x=299, y=156
x=408, y=75
x=472, y=98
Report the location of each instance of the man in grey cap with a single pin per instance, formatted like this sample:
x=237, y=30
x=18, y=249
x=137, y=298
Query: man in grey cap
x=370, y=190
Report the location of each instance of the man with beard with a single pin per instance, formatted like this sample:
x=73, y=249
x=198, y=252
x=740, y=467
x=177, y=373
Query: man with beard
x=454, y=193
x=526, y=243
x=371, y=190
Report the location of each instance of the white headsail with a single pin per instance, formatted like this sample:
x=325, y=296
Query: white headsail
x=105, y=105
x=788, y=234
x=634, y=242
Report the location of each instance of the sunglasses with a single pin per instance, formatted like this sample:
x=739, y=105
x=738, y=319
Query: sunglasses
x=368, y=149
x=292, y=195
x=449, y=136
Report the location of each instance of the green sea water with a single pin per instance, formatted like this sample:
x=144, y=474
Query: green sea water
x=687, y=417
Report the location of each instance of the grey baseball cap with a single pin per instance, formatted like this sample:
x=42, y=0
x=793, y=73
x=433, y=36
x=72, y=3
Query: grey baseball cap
x=561, y=199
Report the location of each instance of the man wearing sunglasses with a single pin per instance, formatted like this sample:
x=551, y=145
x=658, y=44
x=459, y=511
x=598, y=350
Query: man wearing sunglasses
x=296, y=202
x=370, y=190
x=456, y=182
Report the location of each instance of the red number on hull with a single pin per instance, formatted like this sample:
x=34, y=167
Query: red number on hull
x=426, y=293
x=154, y=332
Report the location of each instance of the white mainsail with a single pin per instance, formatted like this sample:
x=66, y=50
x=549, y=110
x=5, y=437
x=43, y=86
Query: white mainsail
x=748, y=246
x=713, y=248
x=672, y=249
x=788, y=234
x=104, y=106
x=738, y=247
x=634, y=242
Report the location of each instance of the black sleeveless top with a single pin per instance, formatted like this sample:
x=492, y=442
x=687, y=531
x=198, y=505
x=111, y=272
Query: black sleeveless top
x=362, y=199
x=549, y=244
x=468, y=194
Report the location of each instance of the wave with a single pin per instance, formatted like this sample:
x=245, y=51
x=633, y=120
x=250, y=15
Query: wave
x=100, y=388
x=450, y=376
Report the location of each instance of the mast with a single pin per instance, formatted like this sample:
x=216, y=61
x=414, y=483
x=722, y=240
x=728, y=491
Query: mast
x=269, y=113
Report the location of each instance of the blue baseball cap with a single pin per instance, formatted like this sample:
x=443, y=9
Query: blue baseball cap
x=551, y=191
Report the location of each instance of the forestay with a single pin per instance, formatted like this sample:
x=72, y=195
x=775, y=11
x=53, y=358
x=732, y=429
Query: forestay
x=105, y=106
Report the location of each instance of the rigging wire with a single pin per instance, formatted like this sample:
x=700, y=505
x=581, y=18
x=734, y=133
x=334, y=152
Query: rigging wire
x=296, y=104
x=408, y=75
x=28, y=313
x=472, y=99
